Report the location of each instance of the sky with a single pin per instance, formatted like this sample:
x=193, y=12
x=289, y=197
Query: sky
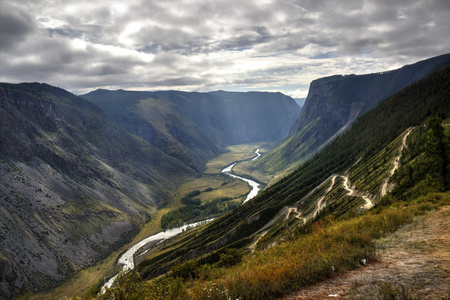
x=201, y=45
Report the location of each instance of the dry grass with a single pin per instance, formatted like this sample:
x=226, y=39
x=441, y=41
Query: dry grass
x=413, y=263
x=222, y=187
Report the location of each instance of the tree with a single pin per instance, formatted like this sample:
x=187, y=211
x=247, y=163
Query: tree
x=437, y=149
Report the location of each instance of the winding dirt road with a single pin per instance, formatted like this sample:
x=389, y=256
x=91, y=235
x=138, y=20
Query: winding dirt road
x=351, y=192
x=384, y=187
x=319, y=205
x=287, y=210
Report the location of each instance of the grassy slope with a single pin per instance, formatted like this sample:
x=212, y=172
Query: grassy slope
x=303, y=259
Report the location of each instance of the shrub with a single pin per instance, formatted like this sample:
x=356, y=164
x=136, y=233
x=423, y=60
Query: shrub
x=194, y=193
x=231, y=257
x=186, y=270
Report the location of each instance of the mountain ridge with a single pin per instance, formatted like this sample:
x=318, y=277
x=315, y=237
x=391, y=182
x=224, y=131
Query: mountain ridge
x=333, y=104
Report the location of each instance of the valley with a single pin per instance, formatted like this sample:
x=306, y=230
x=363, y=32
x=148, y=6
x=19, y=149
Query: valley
x=251, y=150
x=287, y=250
x=218, y=185
x=126, y=260
x=94, y=187
x=92, y=183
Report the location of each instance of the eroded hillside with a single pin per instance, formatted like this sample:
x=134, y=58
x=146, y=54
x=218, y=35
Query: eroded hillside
x=74, y=185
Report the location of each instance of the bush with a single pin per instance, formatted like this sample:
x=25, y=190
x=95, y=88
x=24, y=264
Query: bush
x=194, y=193
x=186, y=270
x=231, y=257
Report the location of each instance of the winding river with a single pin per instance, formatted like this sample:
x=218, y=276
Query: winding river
x=126, y=261
x=253, y=184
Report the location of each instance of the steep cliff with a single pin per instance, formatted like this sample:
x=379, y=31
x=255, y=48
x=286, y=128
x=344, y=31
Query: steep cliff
x=334, y=103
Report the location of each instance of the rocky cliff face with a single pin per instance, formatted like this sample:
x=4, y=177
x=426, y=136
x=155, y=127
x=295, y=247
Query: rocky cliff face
x=334, y=103
x=195, y=127
x=74, y=186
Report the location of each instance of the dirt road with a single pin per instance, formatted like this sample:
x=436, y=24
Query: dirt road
x=396, y=163
x=414, y=261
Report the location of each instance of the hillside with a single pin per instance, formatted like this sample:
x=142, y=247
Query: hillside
x=74, y=186
x=195, y=127
x=333, y=104
x=413, y=263
x=362, y=156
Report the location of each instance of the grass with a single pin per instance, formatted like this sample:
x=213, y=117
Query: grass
x=222, y=186
x=369, y=176
x=329, y=248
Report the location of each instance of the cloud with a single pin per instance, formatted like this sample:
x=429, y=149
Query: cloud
x=205, y=45
x=15, y=25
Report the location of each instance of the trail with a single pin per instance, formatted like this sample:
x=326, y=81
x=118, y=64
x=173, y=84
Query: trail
x=253, y=245
x=416, y=257
x=351, y=192
x=319, y=205
x=384, y=186
x=286, y=211
x=290, y=210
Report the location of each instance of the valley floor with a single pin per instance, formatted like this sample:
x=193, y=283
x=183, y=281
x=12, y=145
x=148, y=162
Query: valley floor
x=413, y=262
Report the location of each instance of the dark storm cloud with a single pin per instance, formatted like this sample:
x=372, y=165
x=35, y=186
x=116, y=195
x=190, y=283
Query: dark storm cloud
x=197, y=44
x=244, y=38
x=15, y=25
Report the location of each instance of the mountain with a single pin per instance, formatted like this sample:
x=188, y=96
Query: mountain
x=195, y=127
x=359, y=160
x=74, y=186
x=333, y=104
x=300, y=101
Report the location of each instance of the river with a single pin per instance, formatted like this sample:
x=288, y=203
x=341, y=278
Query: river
x=253, y=184
x=126, y=261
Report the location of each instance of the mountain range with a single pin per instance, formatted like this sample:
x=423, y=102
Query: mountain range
x=80, y=176
x=349, y=176
x=195, y=127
